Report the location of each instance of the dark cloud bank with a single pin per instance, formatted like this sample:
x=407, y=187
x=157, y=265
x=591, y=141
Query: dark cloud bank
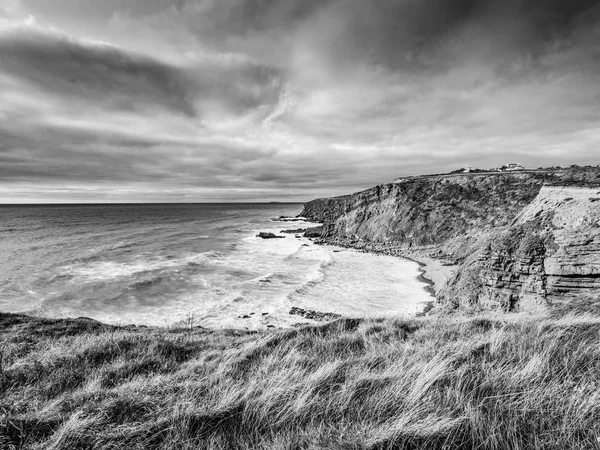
x=290, y=99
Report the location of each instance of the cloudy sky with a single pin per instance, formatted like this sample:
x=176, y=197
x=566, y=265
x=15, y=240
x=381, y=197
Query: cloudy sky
x=250, y=100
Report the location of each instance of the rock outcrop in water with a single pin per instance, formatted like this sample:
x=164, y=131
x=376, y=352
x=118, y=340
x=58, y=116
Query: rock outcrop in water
x=268, y=235
x=521, y=240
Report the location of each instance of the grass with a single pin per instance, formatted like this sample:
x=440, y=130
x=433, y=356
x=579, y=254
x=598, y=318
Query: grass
x=508, y=382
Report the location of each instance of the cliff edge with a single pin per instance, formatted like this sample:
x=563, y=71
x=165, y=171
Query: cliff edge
x=519, y=240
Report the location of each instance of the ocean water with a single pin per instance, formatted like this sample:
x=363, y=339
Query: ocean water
x=161, y=264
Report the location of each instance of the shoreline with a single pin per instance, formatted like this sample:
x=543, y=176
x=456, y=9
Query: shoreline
x=430, y=284
x=426, y=275
x=433, y=273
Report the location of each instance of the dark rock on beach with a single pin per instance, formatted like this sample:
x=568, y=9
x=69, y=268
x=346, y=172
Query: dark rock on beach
x=265, y=235
x=315, y=232
x=313, y=315
x=289, y=219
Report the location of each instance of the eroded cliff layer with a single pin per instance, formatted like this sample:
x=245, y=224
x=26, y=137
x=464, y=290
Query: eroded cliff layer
x=519, y=244
x=549, y=254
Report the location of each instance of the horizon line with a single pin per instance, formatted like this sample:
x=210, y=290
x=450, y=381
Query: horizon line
x=152, y=203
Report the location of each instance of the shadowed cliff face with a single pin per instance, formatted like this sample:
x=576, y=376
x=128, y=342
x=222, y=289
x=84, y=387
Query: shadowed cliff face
x=430, y=210
x=519, y=245
x=426, y=211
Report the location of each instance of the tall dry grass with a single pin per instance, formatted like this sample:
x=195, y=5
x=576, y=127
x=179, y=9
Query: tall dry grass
x=447, y=382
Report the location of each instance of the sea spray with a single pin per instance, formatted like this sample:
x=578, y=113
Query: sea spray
x=157, y=264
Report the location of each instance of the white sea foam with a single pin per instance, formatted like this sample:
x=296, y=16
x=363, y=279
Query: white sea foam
x=288, y=273
x=216, y=269
x=359, y=284
x=109, y=270
x=256, y=285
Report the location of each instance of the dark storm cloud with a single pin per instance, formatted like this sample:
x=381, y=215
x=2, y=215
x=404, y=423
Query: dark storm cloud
x=396, y=33
x=94, y=72
x=241, y=98
x=126, y=81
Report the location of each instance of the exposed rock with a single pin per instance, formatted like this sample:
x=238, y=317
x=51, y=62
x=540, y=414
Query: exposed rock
x=314, y=315
x=315, y=232
x=430, y=210
x=517, y=246
x=290, y=219
x=266, y=235
x=549, y=255
x=295, y=231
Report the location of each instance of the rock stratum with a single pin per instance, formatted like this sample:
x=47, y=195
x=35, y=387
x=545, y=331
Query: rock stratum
x=519, y=240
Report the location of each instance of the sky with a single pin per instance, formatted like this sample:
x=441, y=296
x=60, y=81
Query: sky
x=286, y=100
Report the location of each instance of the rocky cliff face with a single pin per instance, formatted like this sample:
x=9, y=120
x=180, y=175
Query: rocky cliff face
x=426, y=210
x=549, y=254
x=519, y=244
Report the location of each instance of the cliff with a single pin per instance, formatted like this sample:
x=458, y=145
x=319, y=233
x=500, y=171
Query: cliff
x=550, y=254
x=518, y=242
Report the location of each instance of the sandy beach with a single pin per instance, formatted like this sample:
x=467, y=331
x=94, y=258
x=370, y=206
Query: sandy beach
x=434, y=272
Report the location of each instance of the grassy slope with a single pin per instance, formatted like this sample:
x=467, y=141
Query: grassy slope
x=447, y=382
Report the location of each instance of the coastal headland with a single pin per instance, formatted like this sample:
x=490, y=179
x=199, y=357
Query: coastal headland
x=508, y=241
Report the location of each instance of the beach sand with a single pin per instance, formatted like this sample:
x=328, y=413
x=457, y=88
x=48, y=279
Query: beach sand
x=434, y=272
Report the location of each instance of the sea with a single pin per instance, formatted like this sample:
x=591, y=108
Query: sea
x=200, y=264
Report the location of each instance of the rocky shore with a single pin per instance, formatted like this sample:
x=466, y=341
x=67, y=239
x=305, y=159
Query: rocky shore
x=509, y=241
x=433, y=273
x=317, y=316
x=311, y=315
x=268, y=235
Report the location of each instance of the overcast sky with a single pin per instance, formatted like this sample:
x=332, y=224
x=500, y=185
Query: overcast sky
x=250, y=100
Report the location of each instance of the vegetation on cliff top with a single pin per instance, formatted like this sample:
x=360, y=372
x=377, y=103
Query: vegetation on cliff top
x=449, y=382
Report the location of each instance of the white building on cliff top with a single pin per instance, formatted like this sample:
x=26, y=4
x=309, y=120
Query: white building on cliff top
x=509, y=167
